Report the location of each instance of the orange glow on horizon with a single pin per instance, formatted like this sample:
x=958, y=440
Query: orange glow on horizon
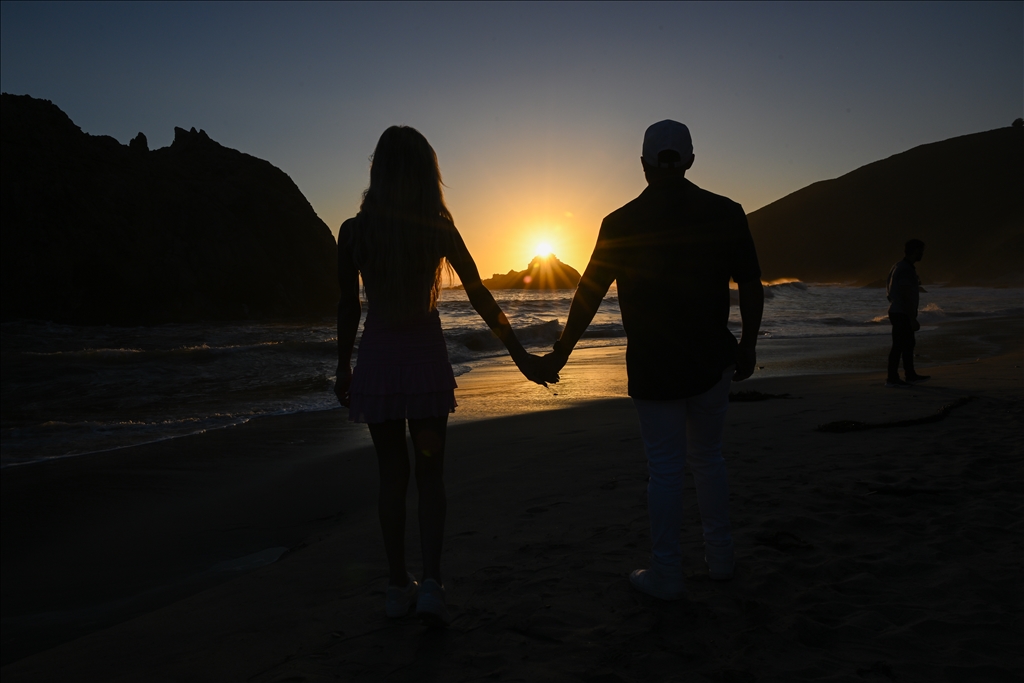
x=511, y=214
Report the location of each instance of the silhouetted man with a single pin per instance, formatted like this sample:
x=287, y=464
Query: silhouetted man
x=902, y=288
x=672, y=251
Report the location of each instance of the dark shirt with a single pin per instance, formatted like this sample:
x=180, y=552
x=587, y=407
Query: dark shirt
x=673, y=250
x=902, y=288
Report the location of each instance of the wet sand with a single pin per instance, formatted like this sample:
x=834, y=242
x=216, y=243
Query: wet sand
x=891, y=553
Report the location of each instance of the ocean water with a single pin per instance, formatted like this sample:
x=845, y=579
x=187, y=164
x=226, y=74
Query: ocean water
x=73, y=390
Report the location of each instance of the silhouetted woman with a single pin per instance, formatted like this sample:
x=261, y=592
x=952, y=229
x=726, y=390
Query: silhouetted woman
x=402, y=242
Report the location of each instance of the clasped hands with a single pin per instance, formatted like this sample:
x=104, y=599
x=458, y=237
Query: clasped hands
x=542, y=370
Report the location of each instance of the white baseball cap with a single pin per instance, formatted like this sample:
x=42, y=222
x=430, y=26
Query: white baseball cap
x=667, y=135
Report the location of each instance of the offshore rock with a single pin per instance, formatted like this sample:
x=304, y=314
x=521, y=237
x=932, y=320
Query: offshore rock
x=96, y=232
x=544, y=272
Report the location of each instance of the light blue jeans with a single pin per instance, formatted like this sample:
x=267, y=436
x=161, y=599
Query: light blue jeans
x=674, y=431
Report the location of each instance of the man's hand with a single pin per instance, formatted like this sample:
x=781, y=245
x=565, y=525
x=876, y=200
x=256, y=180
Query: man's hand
x=342, y=383
x=540, y=372
x=553, y=363
x=746, y=361
x=751, y=309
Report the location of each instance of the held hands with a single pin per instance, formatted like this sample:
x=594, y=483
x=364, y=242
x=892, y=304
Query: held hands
x=553, y=362
x=535, y=370
x=542, y=370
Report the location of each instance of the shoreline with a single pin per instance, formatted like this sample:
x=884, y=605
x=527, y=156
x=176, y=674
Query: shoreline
x=481, y=394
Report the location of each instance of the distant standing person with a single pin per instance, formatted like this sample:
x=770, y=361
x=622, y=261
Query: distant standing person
x=902, y=288
x=672, y=251
x=401, y=242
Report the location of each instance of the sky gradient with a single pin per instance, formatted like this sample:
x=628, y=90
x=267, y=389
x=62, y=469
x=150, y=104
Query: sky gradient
x=536, y=111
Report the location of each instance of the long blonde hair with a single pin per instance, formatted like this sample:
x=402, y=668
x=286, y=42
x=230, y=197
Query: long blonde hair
x=404, y=229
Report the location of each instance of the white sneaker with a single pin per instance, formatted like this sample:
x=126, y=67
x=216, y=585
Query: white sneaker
x=398, y=601
x=664, y=583
x=431, y=607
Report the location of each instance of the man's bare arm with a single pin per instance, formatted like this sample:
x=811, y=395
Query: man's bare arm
x=593, y=286
x=751, y=309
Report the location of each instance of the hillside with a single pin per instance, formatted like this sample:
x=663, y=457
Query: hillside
x=98, y=232
x=963, y=196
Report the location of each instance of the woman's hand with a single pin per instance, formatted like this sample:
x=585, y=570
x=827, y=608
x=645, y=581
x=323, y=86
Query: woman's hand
x=342, y=383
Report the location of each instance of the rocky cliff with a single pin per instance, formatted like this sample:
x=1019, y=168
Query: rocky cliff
x=962, y=196
x=98, y=232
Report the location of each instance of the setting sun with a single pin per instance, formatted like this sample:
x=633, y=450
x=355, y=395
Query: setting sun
x=544, y=249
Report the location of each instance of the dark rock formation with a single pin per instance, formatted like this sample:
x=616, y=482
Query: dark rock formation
x=139, y=143
x=544, y=272
x=96, y=232
x=962, y=196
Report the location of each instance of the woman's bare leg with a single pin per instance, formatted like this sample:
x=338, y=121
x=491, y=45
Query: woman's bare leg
x=393, y=463
x=428, y=439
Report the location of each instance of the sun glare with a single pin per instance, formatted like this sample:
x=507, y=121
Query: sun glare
x=544, y=249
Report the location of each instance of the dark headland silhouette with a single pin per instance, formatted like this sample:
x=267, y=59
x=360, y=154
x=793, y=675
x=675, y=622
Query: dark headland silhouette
x=962, y=196
x=98, y=232
x=544, y=272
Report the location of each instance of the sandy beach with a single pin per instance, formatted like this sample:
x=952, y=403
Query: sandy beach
x=889, y=553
